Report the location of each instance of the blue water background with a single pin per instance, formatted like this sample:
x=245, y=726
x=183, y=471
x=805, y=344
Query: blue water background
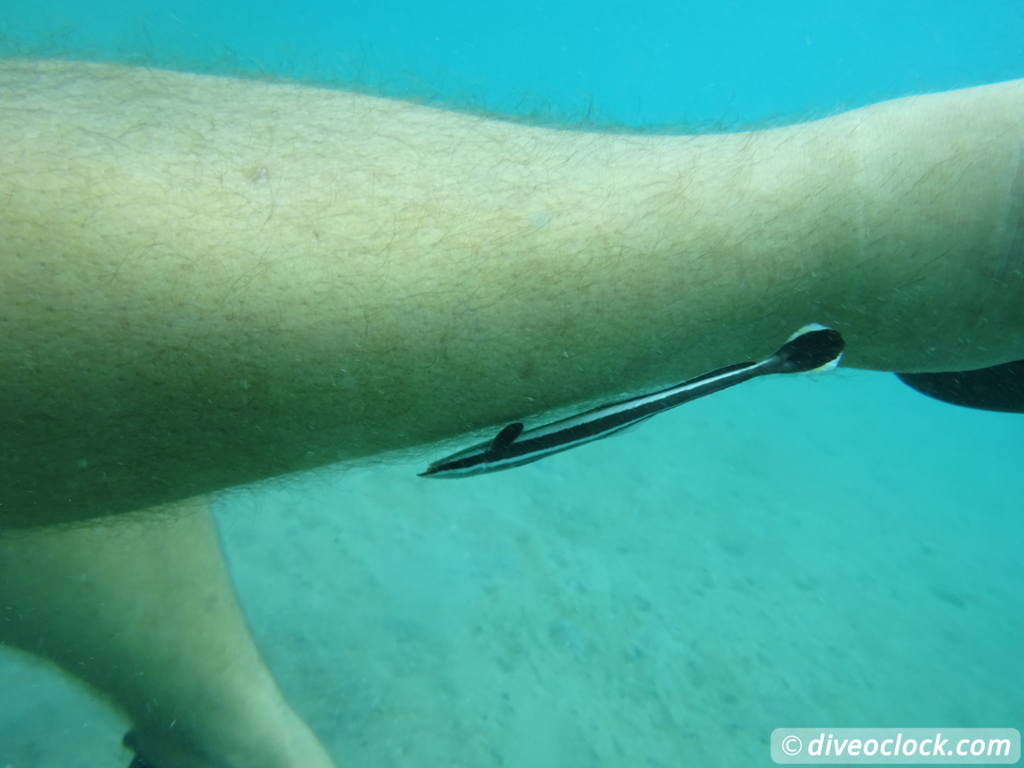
x=837, y=552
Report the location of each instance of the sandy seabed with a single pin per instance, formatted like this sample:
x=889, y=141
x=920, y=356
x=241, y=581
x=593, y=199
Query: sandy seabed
x=833, y=552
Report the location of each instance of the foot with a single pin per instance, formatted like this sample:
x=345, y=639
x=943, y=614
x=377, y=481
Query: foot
x=283, y=742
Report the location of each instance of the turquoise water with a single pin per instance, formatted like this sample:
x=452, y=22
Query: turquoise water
x=838, y=551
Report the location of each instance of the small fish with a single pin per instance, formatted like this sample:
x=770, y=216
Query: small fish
x=812, y=348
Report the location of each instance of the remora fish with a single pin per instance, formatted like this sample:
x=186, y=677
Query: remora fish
x=812, y=348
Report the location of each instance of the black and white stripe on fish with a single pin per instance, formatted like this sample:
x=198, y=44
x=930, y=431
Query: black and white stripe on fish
x=813, y=348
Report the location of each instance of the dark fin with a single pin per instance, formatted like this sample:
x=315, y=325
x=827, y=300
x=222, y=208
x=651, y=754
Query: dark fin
x=506, y=437
x=999, y=388
x=811, y=348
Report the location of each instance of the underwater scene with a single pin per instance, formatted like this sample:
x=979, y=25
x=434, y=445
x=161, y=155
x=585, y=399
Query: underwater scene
x=830, y=550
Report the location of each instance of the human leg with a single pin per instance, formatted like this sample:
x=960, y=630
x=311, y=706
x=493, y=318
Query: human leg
x=141, y=608
x=209, y=281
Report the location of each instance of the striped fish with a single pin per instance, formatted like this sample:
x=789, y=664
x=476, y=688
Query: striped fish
x=813, y=348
